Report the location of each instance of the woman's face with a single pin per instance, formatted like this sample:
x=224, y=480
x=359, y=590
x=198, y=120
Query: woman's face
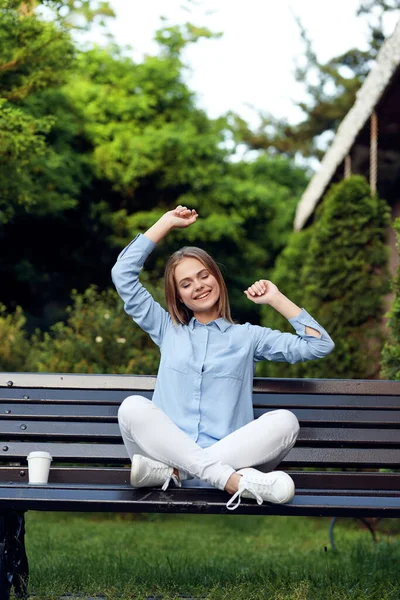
x=197, y=288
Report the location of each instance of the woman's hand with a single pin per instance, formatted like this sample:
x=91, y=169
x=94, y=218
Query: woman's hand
x=262, y=292
x=179, y=217
x=266, y=292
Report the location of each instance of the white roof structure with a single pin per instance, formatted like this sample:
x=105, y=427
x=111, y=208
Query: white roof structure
x=368, y=96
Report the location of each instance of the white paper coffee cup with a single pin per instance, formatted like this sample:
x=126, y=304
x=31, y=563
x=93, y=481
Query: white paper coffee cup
x=39, y=467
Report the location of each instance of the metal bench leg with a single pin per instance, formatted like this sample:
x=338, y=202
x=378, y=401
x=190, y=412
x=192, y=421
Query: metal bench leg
x=331, y=526
x=365, y=522
x=5, y=575
x=13, y=559
x=370, y=528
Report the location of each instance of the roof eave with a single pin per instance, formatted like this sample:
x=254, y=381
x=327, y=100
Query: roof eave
x=367, y=99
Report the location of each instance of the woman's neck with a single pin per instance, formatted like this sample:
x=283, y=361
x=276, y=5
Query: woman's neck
x=206, y=316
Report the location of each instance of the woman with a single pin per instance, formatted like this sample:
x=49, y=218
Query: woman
x=200, y=422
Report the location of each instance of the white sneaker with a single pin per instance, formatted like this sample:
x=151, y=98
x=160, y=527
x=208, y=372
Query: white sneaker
x=276, y=487
x=146, y=472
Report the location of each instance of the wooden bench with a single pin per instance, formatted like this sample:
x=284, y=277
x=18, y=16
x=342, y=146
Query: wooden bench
x=352, y=426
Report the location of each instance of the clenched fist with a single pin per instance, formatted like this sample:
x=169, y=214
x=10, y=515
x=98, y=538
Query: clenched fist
x=262, y=291
x=180, y=217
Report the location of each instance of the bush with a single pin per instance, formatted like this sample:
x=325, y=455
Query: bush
x=391, y=350
x=98, y=337
x=337, y=270
x=14, y=346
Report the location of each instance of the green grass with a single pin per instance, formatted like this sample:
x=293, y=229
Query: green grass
x=220, y=557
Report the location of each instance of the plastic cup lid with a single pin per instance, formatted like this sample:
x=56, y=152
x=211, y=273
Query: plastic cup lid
x=39, y=454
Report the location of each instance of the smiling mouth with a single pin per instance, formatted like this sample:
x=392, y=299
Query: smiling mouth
x=203, y=296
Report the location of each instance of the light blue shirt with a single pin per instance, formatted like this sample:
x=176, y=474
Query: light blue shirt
x=205, y=377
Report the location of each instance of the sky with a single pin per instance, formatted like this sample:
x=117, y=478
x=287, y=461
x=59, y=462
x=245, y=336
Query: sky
x=251, y=68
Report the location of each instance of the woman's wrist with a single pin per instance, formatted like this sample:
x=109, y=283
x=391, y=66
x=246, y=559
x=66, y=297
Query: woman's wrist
x=160, y=229
x=283, y=305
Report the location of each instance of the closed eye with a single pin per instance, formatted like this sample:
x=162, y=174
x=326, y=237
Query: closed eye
x=186, y=284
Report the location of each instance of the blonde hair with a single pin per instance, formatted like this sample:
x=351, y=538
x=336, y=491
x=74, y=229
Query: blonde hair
x=179, y=312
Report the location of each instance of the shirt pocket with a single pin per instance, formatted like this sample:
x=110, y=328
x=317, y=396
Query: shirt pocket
x=229, y=374
x=233, y=364
x=175, y=353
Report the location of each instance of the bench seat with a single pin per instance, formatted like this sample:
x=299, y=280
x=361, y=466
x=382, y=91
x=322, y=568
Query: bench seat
x=122, y=498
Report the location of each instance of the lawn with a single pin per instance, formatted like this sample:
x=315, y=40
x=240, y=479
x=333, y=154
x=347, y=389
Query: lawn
x=157, y=556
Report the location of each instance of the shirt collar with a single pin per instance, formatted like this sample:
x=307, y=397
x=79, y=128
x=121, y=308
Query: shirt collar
x=221, y=323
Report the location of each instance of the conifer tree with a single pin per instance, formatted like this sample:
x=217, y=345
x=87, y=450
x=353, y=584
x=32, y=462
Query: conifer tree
x=340, y=276
x=391, y=350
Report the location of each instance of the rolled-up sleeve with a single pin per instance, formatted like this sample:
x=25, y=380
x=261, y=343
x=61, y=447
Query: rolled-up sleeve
x=289, y=347
x=138, y=302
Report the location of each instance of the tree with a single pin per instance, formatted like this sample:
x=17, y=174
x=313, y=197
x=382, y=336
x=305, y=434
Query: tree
x=36, y=55
x=331, y=90
x=391, y=350
x=41, y=173
x=340, y=276
x=126, y=143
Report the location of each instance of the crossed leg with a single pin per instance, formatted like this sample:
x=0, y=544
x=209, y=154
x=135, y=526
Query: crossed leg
x=264, y=442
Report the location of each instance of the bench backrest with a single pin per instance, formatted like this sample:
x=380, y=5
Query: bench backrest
x=349, y=424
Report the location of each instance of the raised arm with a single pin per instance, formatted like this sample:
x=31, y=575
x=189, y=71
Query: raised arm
x=311, y=341
x=138, y=302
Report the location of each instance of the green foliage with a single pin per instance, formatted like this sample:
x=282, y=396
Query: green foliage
x=79, y=14
x=174, y=39
x=338, y=271
x=98, y=337
x=391, y=349
x=102, y=154
x=38, y=175
x=287, y=275
x=35, y=55
x=14, y=346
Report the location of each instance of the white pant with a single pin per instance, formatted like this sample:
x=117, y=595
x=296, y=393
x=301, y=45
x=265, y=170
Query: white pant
x=264, y=442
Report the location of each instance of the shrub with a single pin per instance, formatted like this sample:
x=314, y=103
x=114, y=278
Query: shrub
x=14, y=344
x=98, y=337
x=338, y=272
x=391, y=350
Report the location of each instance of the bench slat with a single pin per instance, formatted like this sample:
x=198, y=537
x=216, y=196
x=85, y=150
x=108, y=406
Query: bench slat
x=353, y=437
x=52, y=411
x=324, y=480
x=325, y=401
x=75, y=396
x=76, y=381
x=48, y=430
x=260, y=400
x=342, y=417
x=116, y=453
x=345, y=418
x=109, y=432
x=93, y=487
x=47, y=381
x=205, y=501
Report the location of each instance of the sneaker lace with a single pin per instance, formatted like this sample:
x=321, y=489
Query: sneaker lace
x=174, y=478
x=230, y=504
